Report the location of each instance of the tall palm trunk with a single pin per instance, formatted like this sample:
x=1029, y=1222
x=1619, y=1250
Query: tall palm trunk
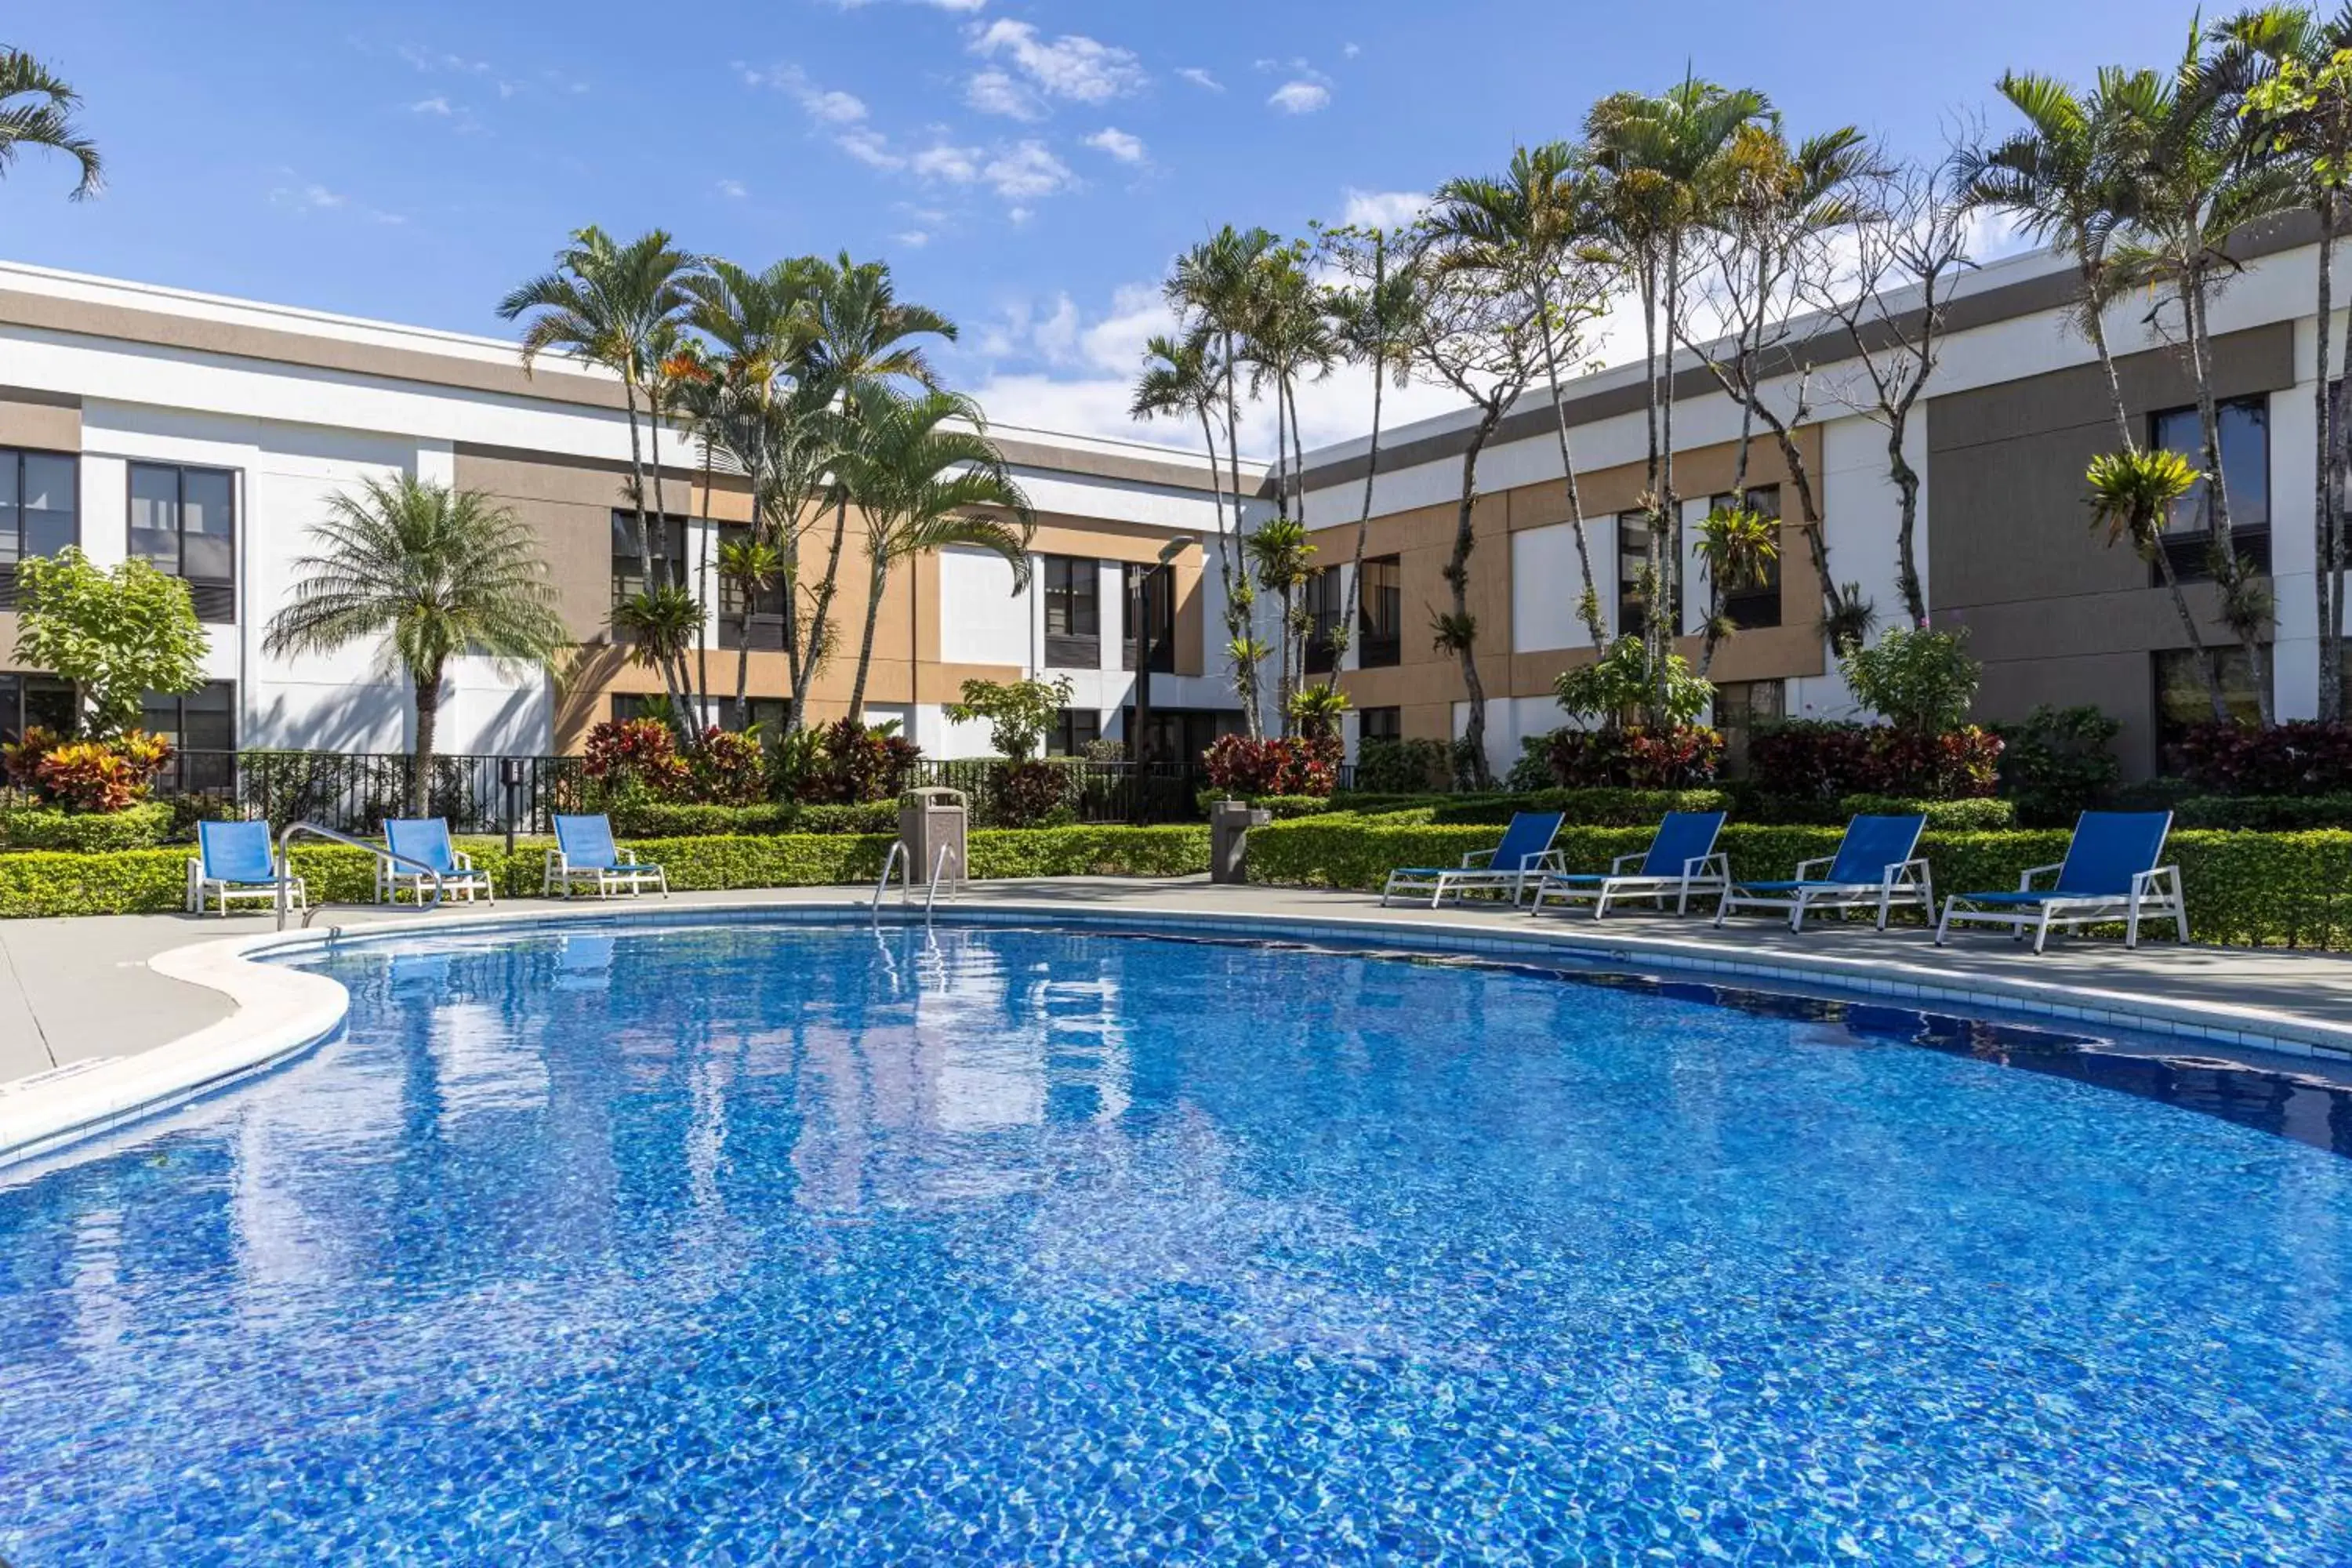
x=1457, y=578
x=1237, y=625
x=428, y=719
x=1282, y=587
x=880, y=581
x=1588, y=606
x=2326, y=519
x=689, y=722
x=1353, y=603
x=702, y=584
x=2228, y=572
x=821, y=613
x=646, y=542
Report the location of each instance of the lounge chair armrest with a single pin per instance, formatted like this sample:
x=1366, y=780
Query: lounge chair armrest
x=1477, y=857
x=463, y=861
x=1698, y=865
x=2025, y=877
x=1805, y=867
x=2147, y=882
x=628, y=856
x=1545, y=864
x=1912, y=870
x=1617, y=866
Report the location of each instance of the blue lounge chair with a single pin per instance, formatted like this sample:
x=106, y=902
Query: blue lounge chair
x=1874, y=866
x=1681, y=861
x=2110, y=873
x=235, y=862
x=427, y=839
x=1512, y=867
x=584, y=853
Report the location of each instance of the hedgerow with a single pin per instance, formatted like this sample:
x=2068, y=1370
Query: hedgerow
x=2289, y=890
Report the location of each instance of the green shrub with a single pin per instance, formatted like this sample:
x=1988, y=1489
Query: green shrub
x=141, y=826
x=2263, y=812
x=2247, y=889
x=1091, y=850
x=665, y=819
x=1404, y=767
x=1944, y=816
x=2057, y=762
x=1284, y=806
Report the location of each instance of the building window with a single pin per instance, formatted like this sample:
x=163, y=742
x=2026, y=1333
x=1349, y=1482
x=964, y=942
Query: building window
x=1150, y=601
x=767, y=714
x=34, y=700
x=1074, y=729
x=2245, y=428
x=629, y=705
x=668, y=554
x=38, y=510
x=1633, y=573
x=2181, y=702
x=755, y=620
x=1325, y=604
x=1182, y=734
x=1742, y=708
x=1749, y=605
x=1379, y=724
x=184, y=524
x=1073, y=613
x=201, y=728
x=1379, y=614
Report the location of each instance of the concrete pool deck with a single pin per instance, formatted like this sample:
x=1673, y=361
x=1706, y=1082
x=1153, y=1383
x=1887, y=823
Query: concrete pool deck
x=85, y=1001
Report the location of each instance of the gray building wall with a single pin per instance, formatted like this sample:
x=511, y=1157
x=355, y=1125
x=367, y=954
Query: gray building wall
x=2057, y=615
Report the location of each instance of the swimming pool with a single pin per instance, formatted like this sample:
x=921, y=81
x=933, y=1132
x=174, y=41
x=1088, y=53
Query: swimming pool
x=775, y=1243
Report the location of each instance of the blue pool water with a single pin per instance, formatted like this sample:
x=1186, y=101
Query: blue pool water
x=760, y=1245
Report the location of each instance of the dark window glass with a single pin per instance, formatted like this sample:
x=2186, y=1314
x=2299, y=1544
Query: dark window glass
x=755, y=619
x=41, y=700
x=2181, y=702
x=37, y=511
x=1151, y=601
x=201, y=728
x=1748, y=604
x=629, y=705
x=668, y=554
x=1381, y=724
x=183, y=522
x=1633, y=563
x=1074, y=729
x=1741, y=706
x=1326, y=601
x=767, y=713
x=1182, y=734
x=1380, y=613
x=1073, y=613
x=2245, y=465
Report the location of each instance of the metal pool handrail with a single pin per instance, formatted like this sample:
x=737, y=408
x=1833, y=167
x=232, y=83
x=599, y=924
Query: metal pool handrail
x=285, y=871
x=899, y=851
x=938, y=869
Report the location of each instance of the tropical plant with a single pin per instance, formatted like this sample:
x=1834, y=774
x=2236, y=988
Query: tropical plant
x=752, y=566
x=860, y=349
x=115, y=632
x=925, y=477
x=1315, y=710
x=1916, y=678
x=1623, y=683
x=1017, y=713
x=46, y=123
x=1738, y=545
x=2133, y=493
x=661, y=626
x=617, y=307
x=1282, y=557
x=434, y=573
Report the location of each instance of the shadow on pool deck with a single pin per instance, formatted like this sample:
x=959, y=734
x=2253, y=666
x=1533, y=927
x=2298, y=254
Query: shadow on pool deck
x=77, y=990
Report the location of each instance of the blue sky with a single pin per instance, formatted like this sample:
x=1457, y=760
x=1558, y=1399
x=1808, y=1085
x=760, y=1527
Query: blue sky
x=1028, y=166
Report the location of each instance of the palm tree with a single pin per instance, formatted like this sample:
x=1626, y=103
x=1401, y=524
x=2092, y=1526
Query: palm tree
x=752, y=566
x=2064, y=180
x=615, y=306
x=2294, y=73
x=860, y=349
x=662, y=624
x=2188, y=195
x=1738, y=546
x=919, y=469
x=1655, y=154
x=1376, y=323
x=1282, y=557
x=46, y=123
x=1541, y=220
x=435, y=573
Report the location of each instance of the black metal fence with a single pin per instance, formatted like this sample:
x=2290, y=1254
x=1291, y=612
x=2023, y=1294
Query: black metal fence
x=354, y=791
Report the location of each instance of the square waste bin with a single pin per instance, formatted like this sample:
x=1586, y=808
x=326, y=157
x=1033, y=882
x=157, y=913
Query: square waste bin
x=931, y=819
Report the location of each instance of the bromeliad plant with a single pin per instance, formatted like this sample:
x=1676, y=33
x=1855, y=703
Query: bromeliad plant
x=1638, y=723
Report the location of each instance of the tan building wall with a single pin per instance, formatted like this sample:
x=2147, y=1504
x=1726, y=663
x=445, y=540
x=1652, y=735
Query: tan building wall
x=1425, y=684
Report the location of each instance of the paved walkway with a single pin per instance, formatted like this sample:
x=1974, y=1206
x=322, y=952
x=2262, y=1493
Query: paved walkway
x=81, y=990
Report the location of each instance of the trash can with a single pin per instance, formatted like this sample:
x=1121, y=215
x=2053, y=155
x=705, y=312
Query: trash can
x=1229, y=824
x=931, y=819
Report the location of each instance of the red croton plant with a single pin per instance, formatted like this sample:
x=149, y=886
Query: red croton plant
x=87, y=775
x=1307, y=765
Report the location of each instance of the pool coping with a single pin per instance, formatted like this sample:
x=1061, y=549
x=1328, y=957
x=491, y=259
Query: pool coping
x=283, y=1012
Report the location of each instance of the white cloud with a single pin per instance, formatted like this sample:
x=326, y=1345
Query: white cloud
x=826, y=105
x=436, y=104
x=912, y=238
x=1127, y=148
x=869, y=148
x=994, y=92
x=1350, y=51
x=732, y=189
x=1381, y=209
x=425, y=60
x=1300, y=97
x=1027, y=169
x=957, y=166
x=1071, y=67
x=1201, y=78
x=299, y=195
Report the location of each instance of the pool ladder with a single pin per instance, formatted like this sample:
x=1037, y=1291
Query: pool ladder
x=309, y=908
x=900, y=856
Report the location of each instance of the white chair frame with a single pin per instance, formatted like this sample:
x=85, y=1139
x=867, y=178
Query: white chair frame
x=628, y=876
x=1909, y=884
x=203, y=890
x=1704, y=875
x=2155, y=896
x=1475, y=874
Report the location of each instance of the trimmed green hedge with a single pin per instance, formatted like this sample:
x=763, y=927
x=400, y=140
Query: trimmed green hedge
x=658, y=819
x=142, y=827
x=148, y=881
x=2291, y=890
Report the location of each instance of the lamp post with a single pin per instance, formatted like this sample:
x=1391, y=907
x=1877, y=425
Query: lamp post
x=1147, y=626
